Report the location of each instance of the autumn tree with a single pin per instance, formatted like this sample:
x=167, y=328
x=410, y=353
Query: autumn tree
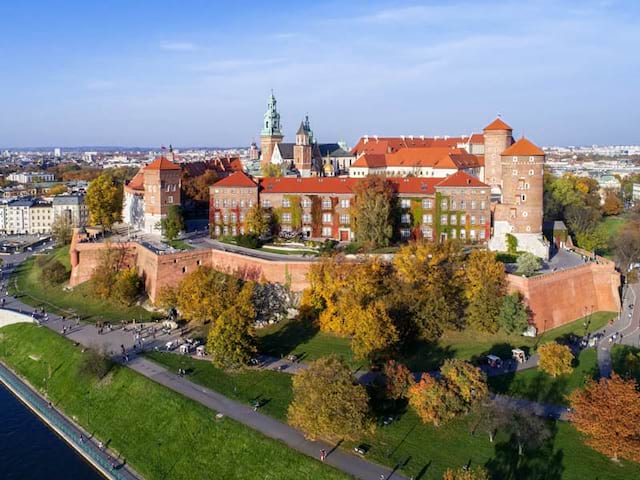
x=59, y=189
x=626, y=245
x=173, y=223
x=467, y=382
x=555, y=359
x=328, y=402
x=372, y=211
x=484, y=290
x=375, y=334
x=127, y=286
x=105, y=274
x=612, y=203
x=475, y=473
x=54, y=273
x=104, y=200
x=596, y=239
x=606, y=412
x=270, y=170
x=259, y=220
x=430, y=279
x=197, y=188
x=231, y=341
x=62, y=230
x=398, y=379
x=528, y=264
x=514, y=315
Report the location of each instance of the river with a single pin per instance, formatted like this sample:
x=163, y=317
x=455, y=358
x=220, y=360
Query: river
x=29, y=450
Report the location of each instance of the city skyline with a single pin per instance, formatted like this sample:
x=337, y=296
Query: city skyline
x=153, y=74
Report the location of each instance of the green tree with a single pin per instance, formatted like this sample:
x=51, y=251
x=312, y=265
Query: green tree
x=593, y=240
x=104, y=200
x=626, y=245
x=528, y=264
x=231, y=341
x=512, y=244
x=484, y=290
x=514, y=316
x=104, y=276
x=372, y=211
x=62, y=230
x=328, y=402
x=259, y=220
x=95, y=364
x=270, y=170
x=526, y=430
x=127, y=286
x=173, y=223
x=54, y=273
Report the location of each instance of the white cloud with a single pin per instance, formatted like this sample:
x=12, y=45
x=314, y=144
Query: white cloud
x=178, y=46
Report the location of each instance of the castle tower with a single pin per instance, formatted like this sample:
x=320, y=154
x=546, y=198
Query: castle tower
x=162, y=182
x=253, y=152
x=302, y=148
x=497, y=138
x=271, y=133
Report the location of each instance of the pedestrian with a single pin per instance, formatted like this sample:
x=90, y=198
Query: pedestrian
x=81, y=438
x=323, y=455
x=100, y=445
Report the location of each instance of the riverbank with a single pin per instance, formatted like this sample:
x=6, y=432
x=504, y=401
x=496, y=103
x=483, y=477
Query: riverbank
x=162, y=434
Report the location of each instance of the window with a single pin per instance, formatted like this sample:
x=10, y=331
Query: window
x=443, y=219
x=443, y=204
x=427, y=218
x=405, y=203
x=234, y=203
x=326, y=231
x=327, y=218
x=427, y=233
x=454, y=204
x=286, y=217
x=472, y=234
x=306, y=202
x=483, y=204
x=463, y=234
x=250, y=203
x=454, y=220
x=405, y=218
x=232, y=217
x=453, y=234
x=514, y=173
x=463, y=219
x=473, y=204
x=224, y=203
x=344, y=219
x=326, y=203
x=405, y=233
x=266, y=203
x=531, y=173
x=225, y=218
x=532, y=159
x=306, y=218
x=285, y=228
x=523, y=198
x=286, y=203
x=461, y=204
x=482, y=219
x=512, y=213
x=481, y=234
x=426, y=203
x=473, y=219
x=216, y=203
x=344, y=203
x=514, y=159
x=525, y=214
x=242, y=217
x=241, y=203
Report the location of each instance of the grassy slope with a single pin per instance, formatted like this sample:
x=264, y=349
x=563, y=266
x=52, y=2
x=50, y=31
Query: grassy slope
x=416, y=446
x=306, y=340
x=161, y=433
x=81, y=299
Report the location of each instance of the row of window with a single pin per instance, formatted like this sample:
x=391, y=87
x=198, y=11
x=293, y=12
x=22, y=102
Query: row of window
x=515, y=173
x=462, y=234
x=232, y=203
x=228, y=217
x=169, y=187
x=444, y=204
x=427, y=219
x=326, y=218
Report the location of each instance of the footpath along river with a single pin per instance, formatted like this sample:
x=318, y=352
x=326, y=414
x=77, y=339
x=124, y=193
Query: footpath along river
x=29, y=450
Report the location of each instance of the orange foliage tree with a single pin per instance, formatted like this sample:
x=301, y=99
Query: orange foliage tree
x=607, y=413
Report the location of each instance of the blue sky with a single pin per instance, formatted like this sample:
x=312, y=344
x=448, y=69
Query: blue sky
x=137, y=72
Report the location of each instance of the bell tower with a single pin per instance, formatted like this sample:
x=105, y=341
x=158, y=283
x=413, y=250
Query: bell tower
x=271, y=133
x=302, y=148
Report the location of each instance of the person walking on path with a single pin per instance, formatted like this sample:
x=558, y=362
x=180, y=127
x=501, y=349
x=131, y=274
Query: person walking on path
x=323, y=455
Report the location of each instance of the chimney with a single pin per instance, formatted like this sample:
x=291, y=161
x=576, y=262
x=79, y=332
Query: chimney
x=421, y=137
x=376, y=137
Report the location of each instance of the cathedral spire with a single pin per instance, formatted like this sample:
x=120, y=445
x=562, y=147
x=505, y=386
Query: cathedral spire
x=271, y=125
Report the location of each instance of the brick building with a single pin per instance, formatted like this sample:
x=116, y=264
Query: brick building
x=457, y=206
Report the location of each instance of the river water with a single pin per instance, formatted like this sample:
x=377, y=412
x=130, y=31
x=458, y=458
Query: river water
x=29, y=450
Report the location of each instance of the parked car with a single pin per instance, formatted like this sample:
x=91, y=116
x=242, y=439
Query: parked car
x=362, y=449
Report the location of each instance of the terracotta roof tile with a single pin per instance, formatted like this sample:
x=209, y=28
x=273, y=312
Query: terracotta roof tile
x=336, y=185
x=523, y=147
x=461, y=179
x=383, y=145
x=137, y=182
x=236, y=179
x=497, y=124
x=420, y=157
x=162, y=163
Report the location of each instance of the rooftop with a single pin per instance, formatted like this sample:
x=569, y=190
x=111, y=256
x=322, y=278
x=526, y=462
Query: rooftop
x=523, y=147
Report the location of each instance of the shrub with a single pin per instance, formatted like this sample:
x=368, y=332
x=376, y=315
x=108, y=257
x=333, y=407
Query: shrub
x=54, y=273
x=249, y=240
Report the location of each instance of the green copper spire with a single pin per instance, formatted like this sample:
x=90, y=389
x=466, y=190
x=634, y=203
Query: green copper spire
x=271, y=125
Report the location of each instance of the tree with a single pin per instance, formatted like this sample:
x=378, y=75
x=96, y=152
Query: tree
x=477, y=473
x=197, y=188
x=526, y=430
x=104, y=276
x=593, y=240
x=62, y=230
x=555, y=359
x=512, y=244
x=372, y=211
x=581, y=218
x=491, y=418
x=375, y=334
x=270, y=170
x=94, y=364
x=484, y=290
x=173, y=223
x=606, y=412
x=626, y=245
x=259, y=220
x=398, y=379
x=612, y=203
x=59, y=189
x=54, y=272
x=514, y=315
x=528, y=264
x=231, y=341
x=328, y=402
x=467, y=382
x=127, y=286
x=104, y=200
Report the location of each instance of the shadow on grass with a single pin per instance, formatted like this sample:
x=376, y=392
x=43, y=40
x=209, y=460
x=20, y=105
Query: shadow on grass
x=535, y=464
x=626, y=361
x=284, y=340
x=425, y=356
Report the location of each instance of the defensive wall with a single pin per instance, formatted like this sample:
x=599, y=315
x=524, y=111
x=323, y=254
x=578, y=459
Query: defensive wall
x=554, y=299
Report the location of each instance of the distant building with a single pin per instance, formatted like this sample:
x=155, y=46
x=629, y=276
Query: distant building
x=635, y=192
x=31, y=177
x=71, y=207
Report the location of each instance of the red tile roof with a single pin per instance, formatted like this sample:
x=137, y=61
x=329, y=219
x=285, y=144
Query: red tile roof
x=383, y=145
x=236, y=179
x=461, y=179
x=523, y=147
x=162, y=163
x=137, y=182
x=327, y=185
x=497, y=124
x=420, y=157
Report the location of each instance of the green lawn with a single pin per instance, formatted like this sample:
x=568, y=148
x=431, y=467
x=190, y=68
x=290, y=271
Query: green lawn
x=81, y=300
x=534, y=384
x=422, y=450
x=613, y=226
x=305, y=339
x=180, y=245
x=160, y=433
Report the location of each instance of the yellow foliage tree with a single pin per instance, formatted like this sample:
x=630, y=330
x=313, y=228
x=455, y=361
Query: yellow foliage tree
x=484, y=290
x=477, y=473
x=375, y=334
x=555, y=359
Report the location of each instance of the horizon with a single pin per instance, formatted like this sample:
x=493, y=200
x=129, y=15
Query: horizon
x=123, y=75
